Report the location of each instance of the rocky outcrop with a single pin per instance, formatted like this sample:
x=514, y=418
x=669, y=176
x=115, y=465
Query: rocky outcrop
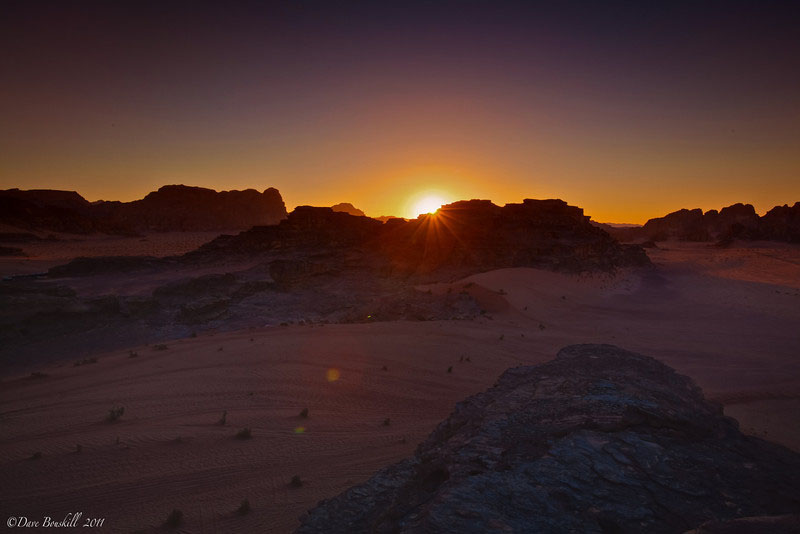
x=738, y=221
x=182, y=208
x=597, y=440
x=171, y=208
x=461, y=238
x=56, y=211
x=348, y=208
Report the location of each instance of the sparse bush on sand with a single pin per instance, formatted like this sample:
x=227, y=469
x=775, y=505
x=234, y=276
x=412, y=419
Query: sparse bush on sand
x=36, y=455
x=174, y=519
x=160, y=346
x=115, y=413
x=387, y=422
x=244, y=508
x=224, y=419
x=244, y=433
x=450, y=369
x=296, y=482
x=304, y=413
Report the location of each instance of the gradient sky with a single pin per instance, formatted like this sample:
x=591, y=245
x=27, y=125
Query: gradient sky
x=627, y=109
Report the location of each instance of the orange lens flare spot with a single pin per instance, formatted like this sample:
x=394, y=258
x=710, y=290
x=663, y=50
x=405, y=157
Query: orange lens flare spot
x=332, y=374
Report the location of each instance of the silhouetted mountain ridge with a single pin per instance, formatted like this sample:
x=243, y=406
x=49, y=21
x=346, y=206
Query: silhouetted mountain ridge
x=738, y=221
x=348, y=208
x=171, y=208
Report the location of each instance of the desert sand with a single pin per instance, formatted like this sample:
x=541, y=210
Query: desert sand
x=728, y=318
x=41, y=255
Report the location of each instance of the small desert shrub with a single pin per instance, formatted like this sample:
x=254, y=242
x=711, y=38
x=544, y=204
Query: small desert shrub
x=304, y=413
x=160, y=346
x=220, y=349
x=36, y=455
x=385, y=368
x=244, y=433
x=244, y=508
x=296, y=482
x=541, y=326
x=467, y=359
x=133, y=354
x=115, y=413
x=387, y=422
x=85, y=361
x=38, y=374
x=502, y=337
x=224, y=419
x=78, y=448
x=174, y=519
x=450, y=369
x=193, y=334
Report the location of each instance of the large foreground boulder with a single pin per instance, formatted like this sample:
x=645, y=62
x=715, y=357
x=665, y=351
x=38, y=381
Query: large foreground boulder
x=598, y=440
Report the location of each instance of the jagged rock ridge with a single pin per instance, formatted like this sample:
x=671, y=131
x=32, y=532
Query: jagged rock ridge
x=171, y=208
x=597, y=440
x=738, y=221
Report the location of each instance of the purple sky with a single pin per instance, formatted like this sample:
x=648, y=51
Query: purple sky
x=628, y=109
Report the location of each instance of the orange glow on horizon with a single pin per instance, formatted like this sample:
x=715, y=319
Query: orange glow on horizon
x=426, y=202
x=428, y=205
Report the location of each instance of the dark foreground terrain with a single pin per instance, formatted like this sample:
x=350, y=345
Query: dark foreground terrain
x=598, y=440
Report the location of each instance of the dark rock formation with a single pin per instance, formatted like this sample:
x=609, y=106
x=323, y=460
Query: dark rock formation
x=463, y=237
x=11, y=251
x=171, y=208
x=182, y=208
x=782, y=524
x=57, y=211
x=781, y=223
x=348, y=208
x=598, y=440
x=738, y=221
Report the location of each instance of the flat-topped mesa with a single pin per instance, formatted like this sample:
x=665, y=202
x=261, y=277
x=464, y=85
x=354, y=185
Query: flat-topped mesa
x=597, y=440
x=467, y=236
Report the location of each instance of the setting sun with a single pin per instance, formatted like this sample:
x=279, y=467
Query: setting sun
x=428, y=203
